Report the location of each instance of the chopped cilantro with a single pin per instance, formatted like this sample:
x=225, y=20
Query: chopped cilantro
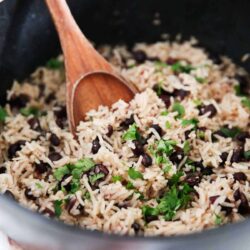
x=218, y=219
x=168, y=125
x=58, y=207
x=197, y=102
x=3, y=114
x=30, y=111
x=38, y=185
x=246, y=102
x=60, y=172
x=95, y=177
x=186, y=147
x=133, y=174
x=192, y=121
x=81, y=166
x=175, y=179
x=200, y=134
x=87, y=196
x=54, y=63
x=165, y=146
x=131, y=133
x=74, y=185
x=247, y=155
x=230, y=132
x=160, y=64
x=177, y=107
x=149, y=211
x=200, y=79
x=238, y=90
x=116, y=178
x=130, y=185
x=178, y=67
x=164, y=113
x=158, y=88
x=141, y=196
x=167, y=167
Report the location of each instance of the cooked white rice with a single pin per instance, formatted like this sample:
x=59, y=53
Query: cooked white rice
x=132, y=190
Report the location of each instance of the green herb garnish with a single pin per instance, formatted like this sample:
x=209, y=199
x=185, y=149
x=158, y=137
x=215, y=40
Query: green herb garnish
x=200, y=79
x=197, y=102
x=177, y=107
x=200, y=134
x=116, y=178
x=230, y=132
x=178, y=67
x=168, y=125
x=130, y=185
x=238, y=90
x=131, y=134
x=30, y=111
x=54, y=63
x=165, y=146
x=87, y=196
x=218, y=219
x=192, y=121
x=3, y=114
x=246, y=102
x=164, y=113
x=186, y=147
x=94, y=178
x=58, y=207
x=247, y=155
x=38, y=185
x=133, y=174
x=60, y=172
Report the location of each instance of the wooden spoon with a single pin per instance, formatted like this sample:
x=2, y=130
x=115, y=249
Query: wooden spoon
x=91, y=80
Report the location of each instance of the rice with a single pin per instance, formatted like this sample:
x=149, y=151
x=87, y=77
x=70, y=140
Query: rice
x=174, y=160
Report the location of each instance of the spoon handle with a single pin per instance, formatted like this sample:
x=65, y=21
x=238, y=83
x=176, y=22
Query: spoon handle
x=80, y=56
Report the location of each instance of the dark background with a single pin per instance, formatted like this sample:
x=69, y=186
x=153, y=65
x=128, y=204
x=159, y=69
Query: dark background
x=28, y=38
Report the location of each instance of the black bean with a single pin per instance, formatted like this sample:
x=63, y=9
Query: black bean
x=171, y=61
x=146, y=160
x=237, y=155
x=240, y=176
x=48, y=212
x=42, y=167
x=67, y=187
x=29, y=194
x=193, y=179
x=110, y=131
x=180, y=94
x=218, y=132
x=54, y=140
x=54, y=156
x=61, y=112
x=60, y=123
x=49, y=98
x=237, y=194
x=212, y=199
x=207, y=171
x=139, y=149
x=10, y=195
x=14, y=148
x=149, y=218
x=95, y=145
x=41, y=88
x=244, y=206
x=19, y=101
x=136, y=226
x=223, y=157
x=208, y=109
x=3, y=170
x=187, y=133
x=177, y=155
x=166, y=99
x=140, y=56
x=35, y=124
x=158, y=129
x=127, y=122
x=242, y=136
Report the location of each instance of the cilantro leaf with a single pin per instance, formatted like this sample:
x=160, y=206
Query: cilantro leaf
x=58, y=207
x=116, y=178
x=247, y=155
x=38, y=185
x=149, y=211
x=197, y=102
x=175, y=178
x=54, y=63
x=230, y=132
x=238, y=90
x=168, y=125
x=164, y=113
x=166, y=146
x=30, y=111
x=192, y=121
x=177, y=107
x=200, y=134
x=200, y=79
x=133, y=174
x=130, y=185
x=131, y=133
x=60, y=172
x=3, y=114
x=178, y=67
x=246, y=102
x=81, y=166
x=186, y=147
x=87, y=196
x=218, y=219
x=94, y=178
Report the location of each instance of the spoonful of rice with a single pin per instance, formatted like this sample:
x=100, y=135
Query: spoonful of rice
x=91, y=80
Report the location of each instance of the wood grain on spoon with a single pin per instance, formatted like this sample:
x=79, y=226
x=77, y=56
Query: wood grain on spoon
x=91, y=80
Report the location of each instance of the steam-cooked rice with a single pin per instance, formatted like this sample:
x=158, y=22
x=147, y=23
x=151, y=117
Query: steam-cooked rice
x=214, y=167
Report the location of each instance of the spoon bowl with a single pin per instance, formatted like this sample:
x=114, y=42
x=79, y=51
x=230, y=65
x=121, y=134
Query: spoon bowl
x=91, y=80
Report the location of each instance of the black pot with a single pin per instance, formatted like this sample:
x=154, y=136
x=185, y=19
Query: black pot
x=28, y=39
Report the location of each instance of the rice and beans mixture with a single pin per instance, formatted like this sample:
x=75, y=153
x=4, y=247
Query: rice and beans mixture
x=174, y=160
